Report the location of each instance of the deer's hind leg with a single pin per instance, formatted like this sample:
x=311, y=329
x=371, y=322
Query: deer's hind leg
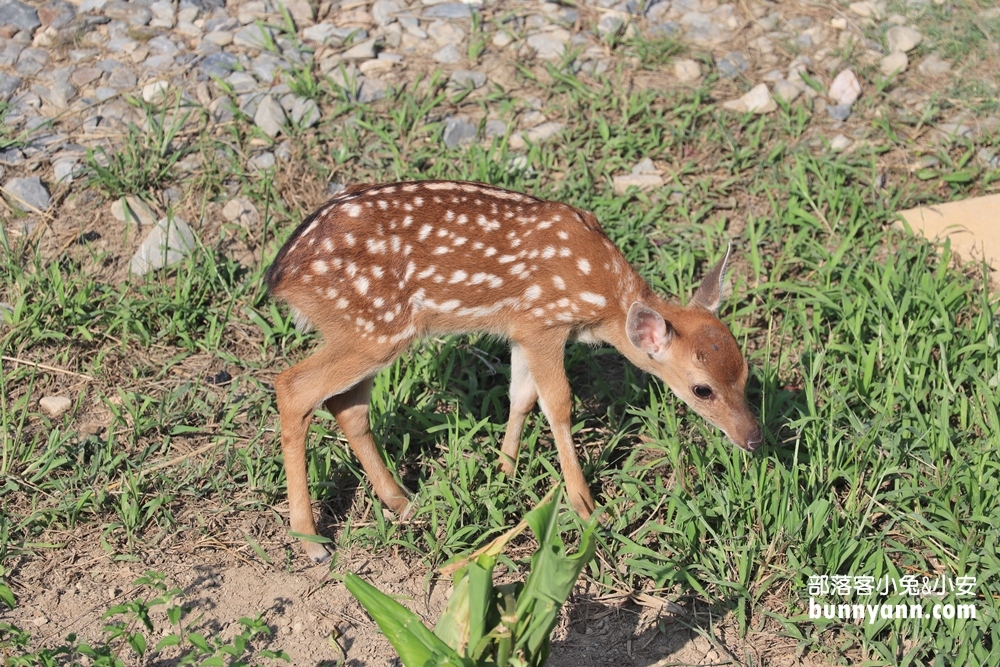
x=331, y=371
x=351, y=409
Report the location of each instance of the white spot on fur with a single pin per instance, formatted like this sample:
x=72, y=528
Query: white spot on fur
x=559, y=282
x=426, y=273
x=533, y=292
x=584, y=266
x=349, y=239
x=441, y=250
x=375, y=247
x=549, y=252
x=361, y=284
x=562, y=235
x=425, y=231
x=446, y=185
x=595, y=299
x=327, y=245
x=565, y=252
x=458, y=277
x=377, y=271
x=354, y=210
x=319, y=266
x=506, y=259
x=383, y=204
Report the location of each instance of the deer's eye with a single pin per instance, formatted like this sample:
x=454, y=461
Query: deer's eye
x=702, y=391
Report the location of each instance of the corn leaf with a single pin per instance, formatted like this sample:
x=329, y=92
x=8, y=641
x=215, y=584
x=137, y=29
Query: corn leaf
x=416, y=645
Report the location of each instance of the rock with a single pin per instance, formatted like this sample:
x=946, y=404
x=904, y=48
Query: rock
x=644, y=166
x=54, y=406
x=263, y=162
x=839, y=112
x=444, y=32
x=300, y=10
x=449, y=10
x=241, y=82
x=133, y=210
x=549, y=45
x=458, y=132
x=464, y=78
x=155, y=91
x=758, y=100
x=732, y=64
x=845, y=88
x=8, y=84
x=838, y=23
x=269, y=117
x=640, y=181
x=495, y=128
x=18, y=15
x=701, y=29
x=27, y=194
x=219, y=65
x=786, y=91
x=253, y=36
x=447, y=55
x=64, y=169
x=611, y=22
x=163, y=14
x=167, y=243
x=872, y=9
x=658, y=12
x=929, y=66
x=322, y=33
x=501, y=39
x=305, y=112
x=123, y=78
x=687, y=70
x=544, y=131
x=839, y=143
x=901, y=38
x=241, y=210
x=31, y=61
x=132, y=13
x=372, y=89
x=363, y=51
x=384, y=11
x=894, y=63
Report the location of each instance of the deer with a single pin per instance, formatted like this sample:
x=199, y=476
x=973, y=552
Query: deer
x=380, y=266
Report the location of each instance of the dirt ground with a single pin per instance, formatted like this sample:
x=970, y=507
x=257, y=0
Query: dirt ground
x=316, y=621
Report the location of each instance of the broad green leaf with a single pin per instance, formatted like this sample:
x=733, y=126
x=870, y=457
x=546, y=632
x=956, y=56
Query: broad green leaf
x=416, y=645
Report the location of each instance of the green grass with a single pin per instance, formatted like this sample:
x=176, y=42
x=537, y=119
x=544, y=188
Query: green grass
x=874, y=368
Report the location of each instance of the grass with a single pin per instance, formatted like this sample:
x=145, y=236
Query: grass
x=874, y=368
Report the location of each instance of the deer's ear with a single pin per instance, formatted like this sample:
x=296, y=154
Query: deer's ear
x=647, y=330
x=713, y=289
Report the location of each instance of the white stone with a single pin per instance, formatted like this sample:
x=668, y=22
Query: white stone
x=270, y=117
x=845, y=88
x=501, y=39
x=932, y=65
x=687, y=70
x=901, y=38
x=868, y=9
x=786, y=90
x=363, y=51
x=132, y=210
x=549, y=45
x=167, y=243
x=155, y=91
x=894, y=62
x=758, y=100
x=54, y=406
x=640, y=181
x=839, y=143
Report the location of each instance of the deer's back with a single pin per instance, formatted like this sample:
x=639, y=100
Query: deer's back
x=394, y=261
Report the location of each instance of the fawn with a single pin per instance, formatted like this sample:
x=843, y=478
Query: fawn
x=381, y=265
